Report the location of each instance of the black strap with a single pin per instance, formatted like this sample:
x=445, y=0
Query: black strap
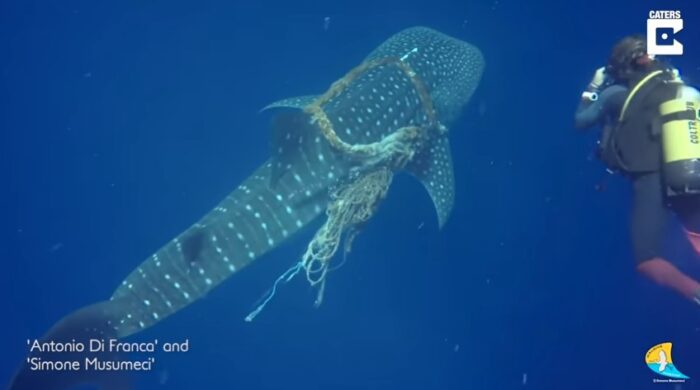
x=639, y=98
x=679, y=116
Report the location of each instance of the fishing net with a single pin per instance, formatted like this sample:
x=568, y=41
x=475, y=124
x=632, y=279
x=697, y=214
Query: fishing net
x=350, y=206
x=404, y=69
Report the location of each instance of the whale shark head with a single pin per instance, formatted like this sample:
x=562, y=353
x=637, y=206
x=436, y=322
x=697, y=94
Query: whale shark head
x=416, y=77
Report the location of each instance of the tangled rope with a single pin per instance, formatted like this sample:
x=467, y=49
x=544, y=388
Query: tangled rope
x=354, y=201
x=351, y=205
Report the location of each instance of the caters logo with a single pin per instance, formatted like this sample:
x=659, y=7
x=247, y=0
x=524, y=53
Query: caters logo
x=662, y=27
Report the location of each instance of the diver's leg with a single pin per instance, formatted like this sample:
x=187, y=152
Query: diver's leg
x=694, y=239
x=688, y=211
x=649, y=218
x=665, y=274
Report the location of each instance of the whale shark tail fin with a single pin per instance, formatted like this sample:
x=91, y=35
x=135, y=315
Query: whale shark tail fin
x=79, y=327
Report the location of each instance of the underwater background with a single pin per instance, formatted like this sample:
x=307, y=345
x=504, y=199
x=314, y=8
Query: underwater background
x=122, y=123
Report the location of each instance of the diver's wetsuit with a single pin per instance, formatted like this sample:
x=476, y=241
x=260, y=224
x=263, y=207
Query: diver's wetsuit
x=603, y=111
x=651, y=212
x=651, y=208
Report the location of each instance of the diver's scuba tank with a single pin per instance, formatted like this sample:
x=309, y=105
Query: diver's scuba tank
x=680, y=137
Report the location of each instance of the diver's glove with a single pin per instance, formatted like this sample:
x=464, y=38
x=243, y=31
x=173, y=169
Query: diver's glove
x=591, y=92
x=597, y=80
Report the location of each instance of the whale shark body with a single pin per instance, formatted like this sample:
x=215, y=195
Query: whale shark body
x=417, y=79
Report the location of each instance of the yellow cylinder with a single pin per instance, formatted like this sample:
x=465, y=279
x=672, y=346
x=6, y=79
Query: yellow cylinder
x=680, y=133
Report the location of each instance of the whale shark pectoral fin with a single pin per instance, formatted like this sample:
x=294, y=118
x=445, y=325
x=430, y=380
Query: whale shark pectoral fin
x=291, y=141
x=433, y=167
x=287, y=134
x=294, y=102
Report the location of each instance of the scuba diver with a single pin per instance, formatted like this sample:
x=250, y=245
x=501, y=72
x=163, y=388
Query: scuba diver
x=651, y=135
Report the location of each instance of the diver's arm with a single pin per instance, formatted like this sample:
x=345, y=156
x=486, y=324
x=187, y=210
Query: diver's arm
x=592, y=112
x=589, y=110
x=614, y=97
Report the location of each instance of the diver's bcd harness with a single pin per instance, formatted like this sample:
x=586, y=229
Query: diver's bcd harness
x=354, y=200
x=658, y=109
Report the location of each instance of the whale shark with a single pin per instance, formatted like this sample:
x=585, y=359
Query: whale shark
x=331, y=154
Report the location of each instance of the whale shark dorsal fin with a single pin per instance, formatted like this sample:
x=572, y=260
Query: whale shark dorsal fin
x=433, y=167
x=294, y=102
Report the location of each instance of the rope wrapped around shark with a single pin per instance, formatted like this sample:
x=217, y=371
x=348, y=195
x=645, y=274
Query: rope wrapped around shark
x=355, y=199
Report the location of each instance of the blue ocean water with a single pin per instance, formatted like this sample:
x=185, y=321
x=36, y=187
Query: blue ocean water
x=122, y=124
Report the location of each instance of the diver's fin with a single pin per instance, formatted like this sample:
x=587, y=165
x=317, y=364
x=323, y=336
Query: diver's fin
x=433, y=167
x=294, y=102
x=90, y=322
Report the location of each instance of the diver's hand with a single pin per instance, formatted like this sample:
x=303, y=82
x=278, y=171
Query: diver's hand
x=597, y=80
x=591, y=92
